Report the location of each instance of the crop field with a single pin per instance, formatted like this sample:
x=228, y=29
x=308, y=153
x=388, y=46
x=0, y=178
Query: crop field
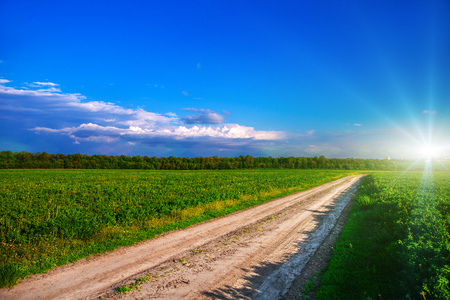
x=49, y=218
x=396, y=244
x=412, y=165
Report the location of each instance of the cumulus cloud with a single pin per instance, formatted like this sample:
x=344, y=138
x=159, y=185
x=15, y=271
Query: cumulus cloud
x=39, y=95
x=3, y=81
x=49, y=112
x=202, y=116
x=45, y=83
x=90, y=132
x=53, y=101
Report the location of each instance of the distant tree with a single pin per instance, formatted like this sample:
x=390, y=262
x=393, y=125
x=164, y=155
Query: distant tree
x=24, y=159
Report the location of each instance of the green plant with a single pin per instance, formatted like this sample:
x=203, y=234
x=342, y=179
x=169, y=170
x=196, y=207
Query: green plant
x=127, y=288
x=396, y=241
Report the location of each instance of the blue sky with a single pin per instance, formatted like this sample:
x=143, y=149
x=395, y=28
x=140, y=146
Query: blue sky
x=364, y=79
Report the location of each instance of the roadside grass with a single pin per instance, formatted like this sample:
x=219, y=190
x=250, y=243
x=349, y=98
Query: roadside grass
x=311, y=286
x=396, y=242
x=50, y=218
x=128, y=288
x=137, y=284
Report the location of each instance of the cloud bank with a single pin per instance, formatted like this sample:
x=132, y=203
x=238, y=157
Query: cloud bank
x=42, y=108
x=39, y=116
x=203, y=116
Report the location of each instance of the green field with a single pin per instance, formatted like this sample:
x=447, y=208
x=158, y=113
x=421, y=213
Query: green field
x=413, y=165
x=396, y=244
x=49, y=218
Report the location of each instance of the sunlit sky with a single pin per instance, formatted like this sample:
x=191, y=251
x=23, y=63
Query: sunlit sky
x=365, y=79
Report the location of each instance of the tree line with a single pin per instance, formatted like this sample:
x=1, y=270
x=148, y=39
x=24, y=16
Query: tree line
x=26, y=160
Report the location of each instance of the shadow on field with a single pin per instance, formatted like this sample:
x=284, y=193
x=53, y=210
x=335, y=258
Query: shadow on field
x=250, y=287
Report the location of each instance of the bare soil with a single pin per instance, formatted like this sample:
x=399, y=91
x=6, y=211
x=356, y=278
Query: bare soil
x=265, y=252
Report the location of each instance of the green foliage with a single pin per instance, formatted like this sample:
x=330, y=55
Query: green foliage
x=396, y=242
x=311, y=285
x=144, y=279
x=9, y=274
x=50, y=218
x=128, y=288
x=413, y=165
x=25, y=160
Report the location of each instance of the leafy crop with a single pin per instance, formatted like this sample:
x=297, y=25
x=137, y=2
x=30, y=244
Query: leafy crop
x=396, y=244
x=50, y=218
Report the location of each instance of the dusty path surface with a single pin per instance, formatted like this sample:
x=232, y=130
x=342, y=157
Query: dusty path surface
x=254, y=253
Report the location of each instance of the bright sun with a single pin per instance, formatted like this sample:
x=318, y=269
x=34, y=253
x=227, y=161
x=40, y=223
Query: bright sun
x=429, y=151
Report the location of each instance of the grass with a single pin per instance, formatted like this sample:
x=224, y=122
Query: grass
x=396, y=243
x=128, y=288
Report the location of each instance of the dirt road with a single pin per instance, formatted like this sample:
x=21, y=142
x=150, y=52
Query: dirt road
x=255, y=253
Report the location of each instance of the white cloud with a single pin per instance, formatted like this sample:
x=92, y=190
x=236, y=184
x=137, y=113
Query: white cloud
x=185, y=93
x=49, y=111
x=95, y=132
x=41, y=93
x=155, y=85
x=203, y=116
x=45, y=83
x=71, y=123
x=50, y=90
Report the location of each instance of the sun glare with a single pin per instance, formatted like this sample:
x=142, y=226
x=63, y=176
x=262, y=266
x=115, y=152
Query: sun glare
x=429, y=151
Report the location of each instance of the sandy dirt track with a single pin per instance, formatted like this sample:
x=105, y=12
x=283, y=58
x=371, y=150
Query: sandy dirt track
x=252, y=254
